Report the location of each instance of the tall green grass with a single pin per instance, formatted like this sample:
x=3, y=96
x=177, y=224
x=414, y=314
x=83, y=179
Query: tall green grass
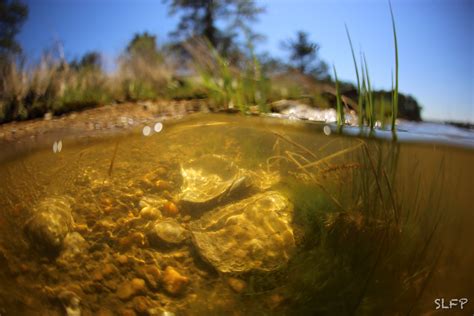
x=366, y=104
x=395, y=91
x=359, y=93
x=369, y=99
x=231, y=86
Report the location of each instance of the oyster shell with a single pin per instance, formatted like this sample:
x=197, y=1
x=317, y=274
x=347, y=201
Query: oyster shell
x=252, y=234
x=209, y=179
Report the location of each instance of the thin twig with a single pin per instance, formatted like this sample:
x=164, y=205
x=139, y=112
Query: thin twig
x=113, y=158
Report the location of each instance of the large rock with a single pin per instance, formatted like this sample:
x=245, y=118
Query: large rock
x=49, y=224
x=253, y=234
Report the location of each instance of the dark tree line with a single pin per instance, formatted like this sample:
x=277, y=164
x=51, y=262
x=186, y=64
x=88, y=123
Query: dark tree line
x=12, y=16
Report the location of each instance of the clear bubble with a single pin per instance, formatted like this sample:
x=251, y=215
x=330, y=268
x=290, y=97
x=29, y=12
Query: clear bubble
x=327, y=130
x=55, y=147
x=158, y=127
x=60, y=146
x=146, y=131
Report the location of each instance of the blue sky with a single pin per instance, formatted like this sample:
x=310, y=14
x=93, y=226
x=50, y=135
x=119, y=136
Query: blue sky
x=435, y=39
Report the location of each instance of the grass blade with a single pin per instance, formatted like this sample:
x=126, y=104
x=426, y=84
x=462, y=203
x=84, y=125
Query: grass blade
x=395, y=92
x=369, y=97
x=361, y=119
x=339, y=109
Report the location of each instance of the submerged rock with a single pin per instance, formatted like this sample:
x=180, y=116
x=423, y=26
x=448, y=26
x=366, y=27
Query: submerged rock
x=49, y=224
x=253, y=234
x=168, y=231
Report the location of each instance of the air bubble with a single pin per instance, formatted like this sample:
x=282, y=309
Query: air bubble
x=55, y=147
x=327, y=130
x=158, y=127
x=60, y=146
x=147, y=131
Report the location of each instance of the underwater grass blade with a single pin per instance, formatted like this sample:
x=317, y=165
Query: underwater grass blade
x=395, y=91
x=339, y=109
x=359, y=100
x=396, y=213
x=334, y=155
x=372, y=166
x=287, y=139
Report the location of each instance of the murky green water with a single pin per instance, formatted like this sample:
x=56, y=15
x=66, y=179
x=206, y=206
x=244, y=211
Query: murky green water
x=235, y=215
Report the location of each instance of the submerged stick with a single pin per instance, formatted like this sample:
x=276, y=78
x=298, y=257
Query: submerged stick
x=111, y=167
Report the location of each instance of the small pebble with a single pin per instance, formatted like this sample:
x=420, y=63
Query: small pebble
x=127, y=312
x=237, y=285
x=173, y=282
x=151, y=274
x=128, y=289
x=275, y=300
x=108, y=270
x=122, y=259
x=150, y=212
x=170, y=209
x=163, y=185
x=140, y=304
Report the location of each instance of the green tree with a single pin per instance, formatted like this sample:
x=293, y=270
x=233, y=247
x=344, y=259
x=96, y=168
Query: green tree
x=143, y=46
x=304, y=55
x=90, y=61
x=144, y=73
x=202, y=17
x=12, y=16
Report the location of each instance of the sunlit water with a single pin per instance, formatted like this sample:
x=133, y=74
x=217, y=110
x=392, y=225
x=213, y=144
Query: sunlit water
x=348, y=225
